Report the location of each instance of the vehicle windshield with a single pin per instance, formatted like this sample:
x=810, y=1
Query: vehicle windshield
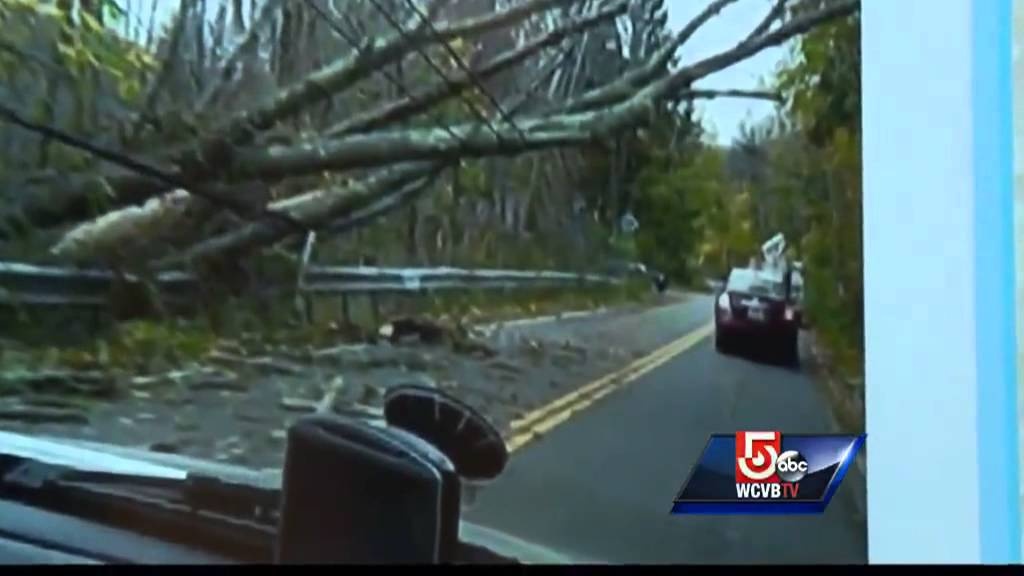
x=221, y=217
x=751, y=282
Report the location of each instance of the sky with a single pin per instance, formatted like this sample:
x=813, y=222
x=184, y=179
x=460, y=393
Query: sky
x=722, y=116
x=725, y=115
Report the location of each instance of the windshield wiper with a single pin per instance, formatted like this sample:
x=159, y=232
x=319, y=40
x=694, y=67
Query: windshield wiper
x=235, y=519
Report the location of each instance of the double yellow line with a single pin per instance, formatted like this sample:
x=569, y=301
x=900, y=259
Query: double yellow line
x=542, y=420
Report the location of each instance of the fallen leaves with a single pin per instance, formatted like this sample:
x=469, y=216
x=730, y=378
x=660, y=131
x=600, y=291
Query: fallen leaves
x=88, y=382
x=42, y=414
x=292, y=404
x=263, y=363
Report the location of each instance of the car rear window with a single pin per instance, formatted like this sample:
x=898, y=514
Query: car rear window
x=750, y=282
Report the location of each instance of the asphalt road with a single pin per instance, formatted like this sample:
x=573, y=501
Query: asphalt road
x=600, y=486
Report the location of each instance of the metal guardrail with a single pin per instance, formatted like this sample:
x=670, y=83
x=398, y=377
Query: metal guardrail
x=351, y=279
x=32, y=285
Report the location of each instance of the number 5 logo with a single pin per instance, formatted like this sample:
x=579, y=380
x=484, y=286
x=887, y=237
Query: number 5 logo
x=756, y=454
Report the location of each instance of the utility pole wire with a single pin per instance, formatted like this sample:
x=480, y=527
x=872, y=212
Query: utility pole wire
x=12, y=116
x=360, y=50
x=470, y=105
x=465, y=68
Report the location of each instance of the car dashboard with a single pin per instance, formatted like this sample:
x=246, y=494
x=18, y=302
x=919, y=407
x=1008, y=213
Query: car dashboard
x=393, y=498
x=31, y=535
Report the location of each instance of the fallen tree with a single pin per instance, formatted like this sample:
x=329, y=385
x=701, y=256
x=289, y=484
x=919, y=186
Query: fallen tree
x=271, y=171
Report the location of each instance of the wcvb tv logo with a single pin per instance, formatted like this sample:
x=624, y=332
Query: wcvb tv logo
x=760, y=459
x=763, y=470
x=767, y=472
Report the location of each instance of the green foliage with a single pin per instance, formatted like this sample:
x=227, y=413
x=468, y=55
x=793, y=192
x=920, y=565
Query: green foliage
x=150, y=346
x=143, y=346
x=71, y=64
x=703, y=210
x=822, y=80
x=666, y=207
x=695, y=222
x=822, y=85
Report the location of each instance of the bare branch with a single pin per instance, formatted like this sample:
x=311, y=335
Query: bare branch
x=202, y=160
x=337, y=29
x=830, y=11
x=315, y=209
x=170, y=58
x=150, y=36
x=344, y=73
x=777, y=11
x=460, y=63
x=143, y=169
x=431, y=96
x=712, y=94
x=542, y=76
x=240, y=50
x=656, y=66
x=637, y=104
x=382, y=206
x=225, y=158
x=503, y=19
x=388, y=147
x=560, y=130
x=470, y=105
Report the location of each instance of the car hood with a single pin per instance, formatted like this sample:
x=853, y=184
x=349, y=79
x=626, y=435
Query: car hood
x=101, y=457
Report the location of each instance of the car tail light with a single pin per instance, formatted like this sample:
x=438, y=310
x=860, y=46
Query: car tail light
x=723, y=302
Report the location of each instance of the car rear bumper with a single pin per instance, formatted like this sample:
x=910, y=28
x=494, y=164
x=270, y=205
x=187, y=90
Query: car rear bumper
x=751, y=329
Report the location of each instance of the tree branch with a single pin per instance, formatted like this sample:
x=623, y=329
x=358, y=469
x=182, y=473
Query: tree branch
x=382, y=206
x=389, y=147
x=637, y=104
x=230, y=62
x=503, y=19
x=777, y=11
x=314, y=209
x=429, y=97
x=418, y=145
x=203, y=159
x=167, y=65
x=712, y=94
x=344, y=73
x=152, y=173
x=383, y=148
x=656, y=66
x=830, y=11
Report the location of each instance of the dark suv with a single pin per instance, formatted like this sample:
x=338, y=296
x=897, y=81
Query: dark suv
x=753, y=307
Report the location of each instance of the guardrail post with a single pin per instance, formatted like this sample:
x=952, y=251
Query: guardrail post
x=346, y=314
x=371, y=260
x=304, y=302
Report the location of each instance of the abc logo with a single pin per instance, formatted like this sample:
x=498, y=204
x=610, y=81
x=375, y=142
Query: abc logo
x=791, y=466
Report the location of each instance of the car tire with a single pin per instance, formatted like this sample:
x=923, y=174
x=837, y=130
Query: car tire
x=721, y=343
x=790, y=355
